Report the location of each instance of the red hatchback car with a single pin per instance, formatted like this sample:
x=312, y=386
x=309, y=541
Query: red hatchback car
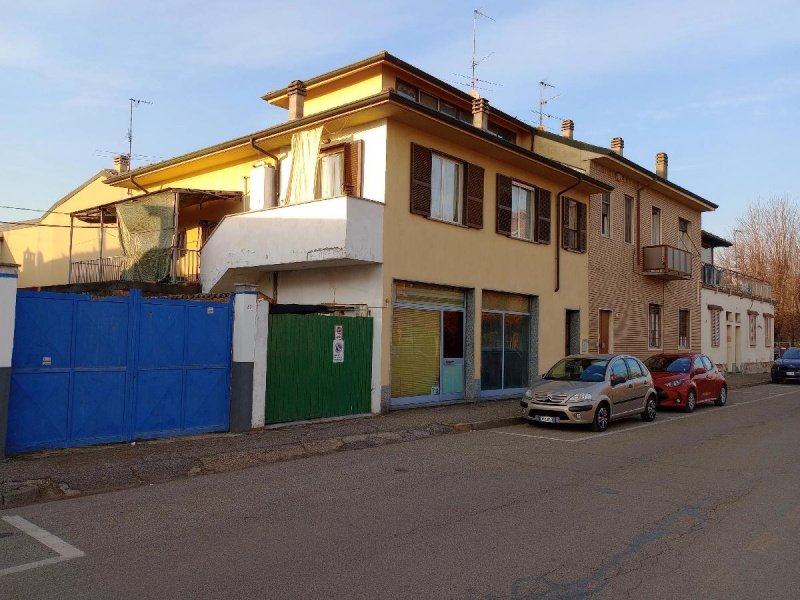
x=684, y=380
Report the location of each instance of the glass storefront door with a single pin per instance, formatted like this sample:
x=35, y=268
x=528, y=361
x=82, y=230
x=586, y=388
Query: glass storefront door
x=505, y=344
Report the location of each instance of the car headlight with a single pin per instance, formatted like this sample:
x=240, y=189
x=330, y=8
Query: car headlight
x=580, y=397
x=673, y=384
x=527, y=395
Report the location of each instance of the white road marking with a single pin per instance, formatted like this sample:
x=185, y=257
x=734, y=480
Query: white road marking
x=659, y=421
x=64, y=550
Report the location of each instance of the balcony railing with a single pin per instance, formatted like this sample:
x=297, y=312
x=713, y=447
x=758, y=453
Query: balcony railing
x=735, y=283
x=667, y=262
x=184, y=268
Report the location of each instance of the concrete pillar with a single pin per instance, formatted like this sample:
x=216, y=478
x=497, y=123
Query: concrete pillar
x=8, y=305
x=260, y=363
x=244, y=329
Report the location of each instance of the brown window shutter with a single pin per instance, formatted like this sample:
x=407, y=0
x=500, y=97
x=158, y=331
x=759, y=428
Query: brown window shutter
x=421, y=164
x=542, y=216
x=473, y=191
x=582, y=227
x=353, y=152
x=503, y=204
x=564, y=223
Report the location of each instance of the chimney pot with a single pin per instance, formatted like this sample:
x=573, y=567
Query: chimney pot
x=662, y=162
x=480, y=113
x=568, y=128
x=296, y=91
x=122, y=163
x=617, y=145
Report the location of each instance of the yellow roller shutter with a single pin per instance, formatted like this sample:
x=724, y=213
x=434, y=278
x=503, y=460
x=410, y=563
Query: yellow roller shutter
x=415, y=351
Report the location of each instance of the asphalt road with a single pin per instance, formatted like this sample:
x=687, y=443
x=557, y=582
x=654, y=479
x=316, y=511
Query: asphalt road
x=692, y=506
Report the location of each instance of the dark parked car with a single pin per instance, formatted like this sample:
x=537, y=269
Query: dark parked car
x=787, y=367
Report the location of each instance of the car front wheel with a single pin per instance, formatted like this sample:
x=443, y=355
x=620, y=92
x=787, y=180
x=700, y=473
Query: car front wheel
x=650, y=409
x=691, y=401
x=601, y=418
x=723, y=396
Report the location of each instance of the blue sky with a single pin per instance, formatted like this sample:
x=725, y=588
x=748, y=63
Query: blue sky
x=715, y=84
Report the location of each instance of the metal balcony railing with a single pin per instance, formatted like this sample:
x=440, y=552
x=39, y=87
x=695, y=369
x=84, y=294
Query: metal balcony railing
x=666, y=262
x=184, y=268
x=735, y=283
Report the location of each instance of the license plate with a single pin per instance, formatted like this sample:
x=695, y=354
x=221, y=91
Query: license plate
x=543, y=419
x=790, y=373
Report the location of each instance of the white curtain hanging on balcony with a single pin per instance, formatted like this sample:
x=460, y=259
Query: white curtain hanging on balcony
x=305, y=150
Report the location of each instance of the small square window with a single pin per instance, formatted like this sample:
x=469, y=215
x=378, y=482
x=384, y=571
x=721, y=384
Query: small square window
x=407, y=90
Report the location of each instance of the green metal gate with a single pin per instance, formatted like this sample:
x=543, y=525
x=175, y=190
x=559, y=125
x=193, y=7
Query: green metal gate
x=318, y=366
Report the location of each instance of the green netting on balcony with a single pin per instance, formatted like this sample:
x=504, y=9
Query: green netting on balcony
x=146, y=230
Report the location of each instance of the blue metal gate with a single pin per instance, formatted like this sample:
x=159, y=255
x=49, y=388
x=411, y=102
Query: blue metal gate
x=90, y=370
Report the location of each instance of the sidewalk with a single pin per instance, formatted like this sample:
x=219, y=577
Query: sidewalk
x=55, y=474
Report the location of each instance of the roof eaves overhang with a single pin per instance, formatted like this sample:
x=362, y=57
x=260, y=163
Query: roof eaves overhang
x=380, y=106
x=709, y=240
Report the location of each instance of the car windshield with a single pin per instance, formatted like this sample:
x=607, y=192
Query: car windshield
x=669, y=364
x=792, y=353
x=578, y=369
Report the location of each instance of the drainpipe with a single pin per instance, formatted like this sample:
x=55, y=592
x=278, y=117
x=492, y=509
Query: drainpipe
x=559, y=233
x=134, y=182
x=277, y=165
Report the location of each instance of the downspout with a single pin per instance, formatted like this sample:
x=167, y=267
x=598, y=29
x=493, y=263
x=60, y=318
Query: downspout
x=277, y=166
x=559, y=233
x=134, y=182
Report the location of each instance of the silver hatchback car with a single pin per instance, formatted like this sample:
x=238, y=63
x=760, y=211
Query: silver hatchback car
x=592, y=390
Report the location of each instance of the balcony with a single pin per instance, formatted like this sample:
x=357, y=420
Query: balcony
x=334, y=232
x=666, y=262
x=184, y=267
x=733, y=282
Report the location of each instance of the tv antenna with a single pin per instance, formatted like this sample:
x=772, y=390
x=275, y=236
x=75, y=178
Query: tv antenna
x=543, y=100
x=137, y=102
x=476, y=14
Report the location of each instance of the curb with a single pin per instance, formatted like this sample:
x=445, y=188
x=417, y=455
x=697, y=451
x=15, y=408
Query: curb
x=489, y=424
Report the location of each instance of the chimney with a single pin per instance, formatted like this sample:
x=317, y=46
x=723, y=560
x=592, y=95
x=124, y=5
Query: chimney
x=480, y=113
x=122, y=163
x=568, y=128
x=617, y=145
x=297, y=94
x=662, y=161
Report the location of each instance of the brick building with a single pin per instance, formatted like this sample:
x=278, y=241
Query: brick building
x=644, y=250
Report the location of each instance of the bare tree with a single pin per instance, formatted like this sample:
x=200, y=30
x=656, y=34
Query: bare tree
x=767, y=246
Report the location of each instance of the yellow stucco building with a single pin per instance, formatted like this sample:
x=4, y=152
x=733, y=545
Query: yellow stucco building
x=391, y=193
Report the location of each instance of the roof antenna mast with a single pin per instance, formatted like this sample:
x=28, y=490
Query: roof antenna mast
x=475, y=60
x=543, y=85
x=137, y=102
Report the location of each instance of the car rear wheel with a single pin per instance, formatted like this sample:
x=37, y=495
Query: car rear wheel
x=650, y=408
x=723, y=396
x=601, y=418
x=691, y=401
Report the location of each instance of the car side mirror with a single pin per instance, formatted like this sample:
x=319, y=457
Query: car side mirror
x=699, y=371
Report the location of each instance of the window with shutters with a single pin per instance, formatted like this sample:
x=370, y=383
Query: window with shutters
x=339, y=171
x=628, y=219
x=605, y=214
x=522, y=212
x=573, y=221
x=654, y=326
x=715, y=328
x=446, y=190
x=752, y=328
x=683, y=329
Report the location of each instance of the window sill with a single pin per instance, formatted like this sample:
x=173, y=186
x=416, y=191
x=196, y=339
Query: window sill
x=520, y=239
x=446, y=222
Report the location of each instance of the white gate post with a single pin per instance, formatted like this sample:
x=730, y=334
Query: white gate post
x=244, y=330
x=260, y=363
x=8, y=304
